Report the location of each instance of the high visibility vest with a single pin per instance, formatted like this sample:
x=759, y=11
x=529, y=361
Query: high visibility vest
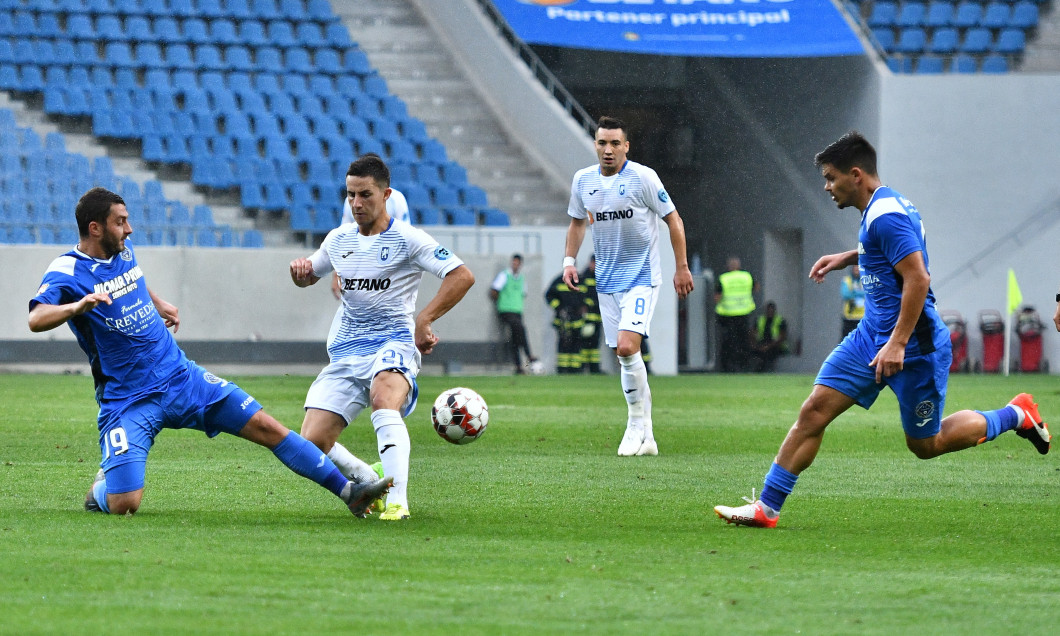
x=736, y=297
x=774, y=329
x=510, y=297
x=853, y=298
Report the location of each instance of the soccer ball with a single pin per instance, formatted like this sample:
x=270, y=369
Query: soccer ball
x=460, y=415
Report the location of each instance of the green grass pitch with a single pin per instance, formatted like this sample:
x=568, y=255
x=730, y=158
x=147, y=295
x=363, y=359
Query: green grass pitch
x=538, y=527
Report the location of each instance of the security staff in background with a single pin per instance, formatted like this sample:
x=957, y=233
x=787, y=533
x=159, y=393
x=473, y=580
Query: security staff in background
x=733, y=304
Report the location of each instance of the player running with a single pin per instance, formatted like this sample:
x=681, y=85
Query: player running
x=623, y=201
x=901, y=342
x=375, y=349
x=143, y=380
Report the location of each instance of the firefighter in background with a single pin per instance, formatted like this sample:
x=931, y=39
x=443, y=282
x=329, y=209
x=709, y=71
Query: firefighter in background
x=569, y=308
x=593, y=327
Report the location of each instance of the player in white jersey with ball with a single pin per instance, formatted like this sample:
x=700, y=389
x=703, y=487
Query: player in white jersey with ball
x=622, y=200
x=375, y=351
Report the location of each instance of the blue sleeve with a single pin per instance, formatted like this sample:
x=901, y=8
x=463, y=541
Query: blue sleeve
x=55, y=289
x=896, y=237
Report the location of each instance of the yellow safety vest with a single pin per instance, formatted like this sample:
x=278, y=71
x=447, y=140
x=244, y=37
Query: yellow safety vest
x=736, y=288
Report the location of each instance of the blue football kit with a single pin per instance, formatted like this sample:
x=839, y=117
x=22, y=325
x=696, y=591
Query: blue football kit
x=891, y=229
x=143, y=380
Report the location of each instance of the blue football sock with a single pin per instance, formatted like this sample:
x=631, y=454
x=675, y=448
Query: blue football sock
x=304, y=458
x=778, y=485
x=99, y=493
x=999, y=421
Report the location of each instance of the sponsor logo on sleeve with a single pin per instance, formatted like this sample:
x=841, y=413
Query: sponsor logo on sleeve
x=442, y=254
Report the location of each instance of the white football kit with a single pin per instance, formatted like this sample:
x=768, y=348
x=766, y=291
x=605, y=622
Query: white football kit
x=623, y=212
x=379, y=277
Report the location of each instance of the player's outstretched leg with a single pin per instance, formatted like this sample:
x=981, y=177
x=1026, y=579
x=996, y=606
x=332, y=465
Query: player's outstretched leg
x=1032, y=428
x=360, y=497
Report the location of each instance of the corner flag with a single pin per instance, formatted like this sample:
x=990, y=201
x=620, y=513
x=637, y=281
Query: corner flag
x=1015, y=297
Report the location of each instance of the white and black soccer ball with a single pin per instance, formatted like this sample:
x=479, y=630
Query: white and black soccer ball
x=460, y=415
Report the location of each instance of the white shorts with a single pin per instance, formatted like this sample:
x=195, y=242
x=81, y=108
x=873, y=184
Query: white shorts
x=627, y=311
x=344, y=387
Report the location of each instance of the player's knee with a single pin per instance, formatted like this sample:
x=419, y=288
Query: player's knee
x=125, y=503
x=624, y=350
x=922, y=448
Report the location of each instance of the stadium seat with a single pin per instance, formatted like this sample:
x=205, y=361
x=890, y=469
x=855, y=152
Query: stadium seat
x=884, y=14
x=309, y=34
x=252, y=33
x=178, y=56
x=238, y=58
x=495, y=218
x=1024, y=15
x=253, y=239
x=195, y=31
x=328, y=61
x=976, y=41
x=355, y=61
x=239, y=9
x=293, y=10
x=944, y=41
x=964, y=64
x=996, y=15
x=280, y=34
x=321, y=85
x=929, y=65
x=149, y=55
x=939, y=14
x=900, y=64
x=1010, y=42
x=80, y=27
x=911, y=40
x=268, y=59
x=203, y=216
x=208, y=57
x=426, y=216
x=183, y=8
x=474, y=197
x=118, y=54
x=994, y=64
x=266, y=9
x=460, y=216
x=211, y=9
x=223, y=32
x=320, y=11
x=968, y=14
x=297, y=59
x=295, y=84
x=911, y=14
x=138, y=29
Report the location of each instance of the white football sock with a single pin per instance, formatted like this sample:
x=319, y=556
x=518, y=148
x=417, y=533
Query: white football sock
x=635, y=387
x=394, y=450
x=351, y=467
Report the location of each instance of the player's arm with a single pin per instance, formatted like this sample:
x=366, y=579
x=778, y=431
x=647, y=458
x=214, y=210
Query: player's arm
x=915, y=284
x=45, y=317
x=302, y=272
x=167, y=311
x=831, y=262
x=575, y=236
x=683, y=275
x=454, y=287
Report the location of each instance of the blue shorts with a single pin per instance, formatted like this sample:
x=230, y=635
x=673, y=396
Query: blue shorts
x=920, y=386
x=194, y=398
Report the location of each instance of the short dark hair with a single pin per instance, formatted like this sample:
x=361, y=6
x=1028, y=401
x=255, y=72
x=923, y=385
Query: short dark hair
x=849, y=151
x=517, y=256
x=95, y=205
x=371, y=165
x=611, y=123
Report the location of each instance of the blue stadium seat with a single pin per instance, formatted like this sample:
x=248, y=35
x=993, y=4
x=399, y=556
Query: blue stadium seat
x=964, y=64
x=80, y=27
x=414, y=130
x=295, y=84
x=301, y=219
x=25, y=24
x=495, y=218
x=208, y=57
x=48, y=26
x=976, y=41
x=944, y=41
x=268, y=83
x=321, y=85
x=149, y=55
x=266, y=9
x=337, y=36
x=929, y=65
x=138, y=29
x=203, y=216
x=297, y=59
x=31, y=79
x=238, y=9
x=375, y=86
x=252, y=33
x=994, y=64
x=110, y=29
x=884, y=14
x=324, y=220
x=1010, y=42
x=167, y=31
x=939, y=14
x=460, y=216
x=394, y=108
x=309, y=34
x=911, y=14
x=280, y=34
x=195, y=31
x=996, y=15
x=238, y=58
x=355, y=61
x=211, y=9
x=426, y=216
x=223, y=32
x=178, y=56
x=206, y=237
x=1024, y=15
x=968, y=14
x=320, y=11
x=900, y=64
x=183, y=8
x=269, y=59
x=118, y=54
x=293, y=10
x=474, y=197
x=911, y=40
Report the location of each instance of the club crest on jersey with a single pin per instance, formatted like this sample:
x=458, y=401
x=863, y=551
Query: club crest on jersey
x=622, y=190
x=43, y=288
x=384, y=253
x=213, y=379
x=663, y=196
x=126, y=255
x=441, y=253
